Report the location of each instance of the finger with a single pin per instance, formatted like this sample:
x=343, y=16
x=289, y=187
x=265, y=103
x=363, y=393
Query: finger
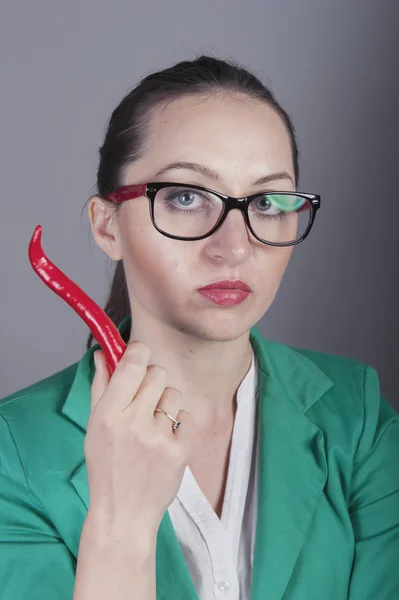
x=101, y=379
x=127, y=377
x=170, y=402
x=150, y=391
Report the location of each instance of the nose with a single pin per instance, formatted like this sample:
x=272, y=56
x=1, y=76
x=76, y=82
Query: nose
x=231, y=242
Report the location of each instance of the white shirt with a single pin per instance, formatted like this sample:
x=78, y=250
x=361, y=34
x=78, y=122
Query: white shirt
x=219, y=553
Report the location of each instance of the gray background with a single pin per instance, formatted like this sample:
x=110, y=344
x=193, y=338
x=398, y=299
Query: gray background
x=333, y=64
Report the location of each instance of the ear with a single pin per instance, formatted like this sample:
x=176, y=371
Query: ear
x=104, y=227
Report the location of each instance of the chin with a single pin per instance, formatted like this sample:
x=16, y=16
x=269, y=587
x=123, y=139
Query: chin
x=221, y=328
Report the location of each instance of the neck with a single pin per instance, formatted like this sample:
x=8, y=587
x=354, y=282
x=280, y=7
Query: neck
x=206, y=372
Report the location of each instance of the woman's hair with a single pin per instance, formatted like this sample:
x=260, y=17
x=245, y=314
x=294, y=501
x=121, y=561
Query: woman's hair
x=127, y=133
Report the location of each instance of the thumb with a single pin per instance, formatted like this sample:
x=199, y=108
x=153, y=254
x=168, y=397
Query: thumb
x=100, y=381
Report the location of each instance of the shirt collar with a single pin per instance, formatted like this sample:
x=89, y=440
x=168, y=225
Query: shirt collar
x=249, y=385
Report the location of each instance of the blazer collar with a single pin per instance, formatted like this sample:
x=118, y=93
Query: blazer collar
x=292, y=468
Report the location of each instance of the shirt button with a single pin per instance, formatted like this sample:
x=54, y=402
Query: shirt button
x=224, y=586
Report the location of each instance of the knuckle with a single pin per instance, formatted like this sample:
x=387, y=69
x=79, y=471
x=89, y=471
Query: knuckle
x=172, y=398
x=172, y=394
x=140, y=437
x=106, y=423
x=138, y=351
x=154, y=443
x=101, y=427
x=131, y=361
x=133, y=368
x=157, y=372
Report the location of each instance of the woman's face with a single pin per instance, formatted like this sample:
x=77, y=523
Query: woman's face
x=237, y=142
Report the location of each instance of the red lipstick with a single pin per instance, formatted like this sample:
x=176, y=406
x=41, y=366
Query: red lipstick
x=226, y=292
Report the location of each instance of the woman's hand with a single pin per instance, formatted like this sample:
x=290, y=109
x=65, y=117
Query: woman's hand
x=135, y=461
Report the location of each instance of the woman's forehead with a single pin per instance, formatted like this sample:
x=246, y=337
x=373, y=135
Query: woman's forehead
x=224, y=133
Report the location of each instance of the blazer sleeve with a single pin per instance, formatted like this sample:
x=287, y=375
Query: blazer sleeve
x=374, y=499
x=34, y=561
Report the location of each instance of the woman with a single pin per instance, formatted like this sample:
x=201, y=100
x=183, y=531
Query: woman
x=219, y=464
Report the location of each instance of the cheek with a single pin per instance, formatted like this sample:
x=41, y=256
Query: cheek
x=270, y=270
x=284, y=256
x=153, y=262
x=274, y=260
x=273, y=273
x=282, y=263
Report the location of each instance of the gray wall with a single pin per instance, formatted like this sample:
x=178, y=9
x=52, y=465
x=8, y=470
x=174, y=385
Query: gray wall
x=332, y=63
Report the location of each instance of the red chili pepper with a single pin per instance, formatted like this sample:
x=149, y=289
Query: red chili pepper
x=99, y=323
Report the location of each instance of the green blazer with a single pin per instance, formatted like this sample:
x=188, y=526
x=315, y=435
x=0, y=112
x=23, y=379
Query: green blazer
x=328, y=503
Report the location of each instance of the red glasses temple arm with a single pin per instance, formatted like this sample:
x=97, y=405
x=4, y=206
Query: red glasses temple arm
x=128, y=192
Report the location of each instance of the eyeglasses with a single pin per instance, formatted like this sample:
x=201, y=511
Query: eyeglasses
x=192, y=212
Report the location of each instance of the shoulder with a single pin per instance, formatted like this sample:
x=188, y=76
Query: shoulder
x=309, y=375
x=353, y=381
x=354, y=407
x=340, y=394
x=355, y=378
x=31, y=418
x=46, y=393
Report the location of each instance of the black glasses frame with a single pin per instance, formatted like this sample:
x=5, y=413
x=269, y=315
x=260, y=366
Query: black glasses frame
x=229, y=203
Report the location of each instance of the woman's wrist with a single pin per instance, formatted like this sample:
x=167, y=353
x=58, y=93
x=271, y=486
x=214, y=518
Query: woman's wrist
x=129, y=535
x=115, y=561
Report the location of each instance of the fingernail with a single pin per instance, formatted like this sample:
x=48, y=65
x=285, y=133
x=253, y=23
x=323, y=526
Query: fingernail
x=95, y=360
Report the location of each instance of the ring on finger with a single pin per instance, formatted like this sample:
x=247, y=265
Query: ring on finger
x=176, y=422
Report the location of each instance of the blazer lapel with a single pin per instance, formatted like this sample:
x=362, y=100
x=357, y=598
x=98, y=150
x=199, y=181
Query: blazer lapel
x=292, y=463
x=80, y=482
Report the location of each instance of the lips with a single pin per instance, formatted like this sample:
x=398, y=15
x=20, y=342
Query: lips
x=227, y=285
x=226, y=293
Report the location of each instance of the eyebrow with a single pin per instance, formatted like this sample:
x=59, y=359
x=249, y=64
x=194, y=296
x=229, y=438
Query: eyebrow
x=212, y=174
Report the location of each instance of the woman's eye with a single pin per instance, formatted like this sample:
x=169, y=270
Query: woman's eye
x=264, y=204
x=186, y=198
x=183, y=198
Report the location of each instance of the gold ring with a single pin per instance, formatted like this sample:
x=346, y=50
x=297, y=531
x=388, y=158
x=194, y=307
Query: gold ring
x=176, y=422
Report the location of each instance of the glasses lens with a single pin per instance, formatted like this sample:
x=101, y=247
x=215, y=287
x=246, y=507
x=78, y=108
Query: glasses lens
x=186, y=212
x=280, y=218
